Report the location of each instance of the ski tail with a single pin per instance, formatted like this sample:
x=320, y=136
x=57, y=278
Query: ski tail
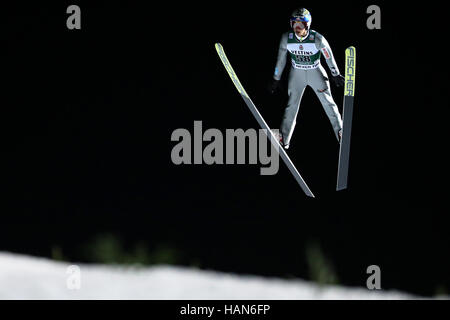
x=347, y=116
x=261, y=121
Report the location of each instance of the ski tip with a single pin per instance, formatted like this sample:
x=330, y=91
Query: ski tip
x=219, y=48
x=350, y=49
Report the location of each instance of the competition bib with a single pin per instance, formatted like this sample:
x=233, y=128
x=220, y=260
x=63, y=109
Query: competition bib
x=304, y=54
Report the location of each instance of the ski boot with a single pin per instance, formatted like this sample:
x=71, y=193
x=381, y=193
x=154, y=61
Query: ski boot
x=279, y=137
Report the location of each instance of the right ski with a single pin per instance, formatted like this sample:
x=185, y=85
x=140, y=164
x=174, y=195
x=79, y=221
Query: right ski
x=261, y=121
x=347, y=115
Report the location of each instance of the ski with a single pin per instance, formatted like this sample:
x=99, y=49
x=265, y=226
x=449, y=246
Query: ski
x=347, y=115
x=261, y=121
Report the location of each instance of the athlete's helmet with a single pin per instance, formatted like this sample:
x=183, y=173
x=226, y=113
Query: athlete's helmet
x=301, y=15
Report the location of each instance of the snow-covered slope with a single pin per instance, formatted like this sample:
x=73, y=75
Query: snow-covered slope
x=23, y=277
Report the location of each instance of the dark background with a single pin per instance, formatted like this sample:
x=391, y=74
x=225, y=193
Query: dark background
x=88, y=114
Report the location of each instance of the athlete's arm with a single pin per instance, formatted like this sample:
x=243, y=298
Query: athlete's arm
x=322, y=45
x=282, y=56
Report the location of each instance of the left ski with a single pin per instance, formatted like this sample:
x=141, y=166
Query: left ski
x=261, y=121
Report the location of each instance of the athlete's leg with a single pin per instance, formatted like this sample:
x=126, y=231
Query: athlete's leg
x=318, y=80
x=296, y=87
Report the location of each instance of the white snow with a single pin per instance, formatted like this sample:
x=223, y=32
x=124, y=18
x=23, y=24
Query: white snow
x=24, y=277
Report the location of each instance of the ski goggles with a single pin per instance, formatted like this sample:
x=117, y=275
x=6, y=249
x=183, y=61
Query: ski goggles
x=304, y=19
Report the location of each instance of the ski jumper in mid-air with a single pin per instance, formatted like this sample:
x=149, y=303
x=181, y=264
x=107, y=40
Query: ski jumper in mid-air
x=305, y=47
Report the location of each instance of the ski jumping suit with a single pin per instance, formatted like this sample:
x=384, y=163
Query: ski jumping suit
x=306, y=70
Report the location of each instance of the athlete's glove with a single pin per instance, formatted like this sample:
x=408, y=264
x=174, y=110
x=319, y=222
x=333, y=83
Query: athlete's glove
x=274, y=86
x=338, y=80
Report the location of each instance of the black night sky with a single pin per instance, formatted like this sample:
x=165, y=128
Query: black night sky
x=88, y=114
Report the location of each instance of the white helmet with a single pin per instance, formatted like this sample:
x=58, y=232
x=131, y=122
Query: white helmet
x=301, y=15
